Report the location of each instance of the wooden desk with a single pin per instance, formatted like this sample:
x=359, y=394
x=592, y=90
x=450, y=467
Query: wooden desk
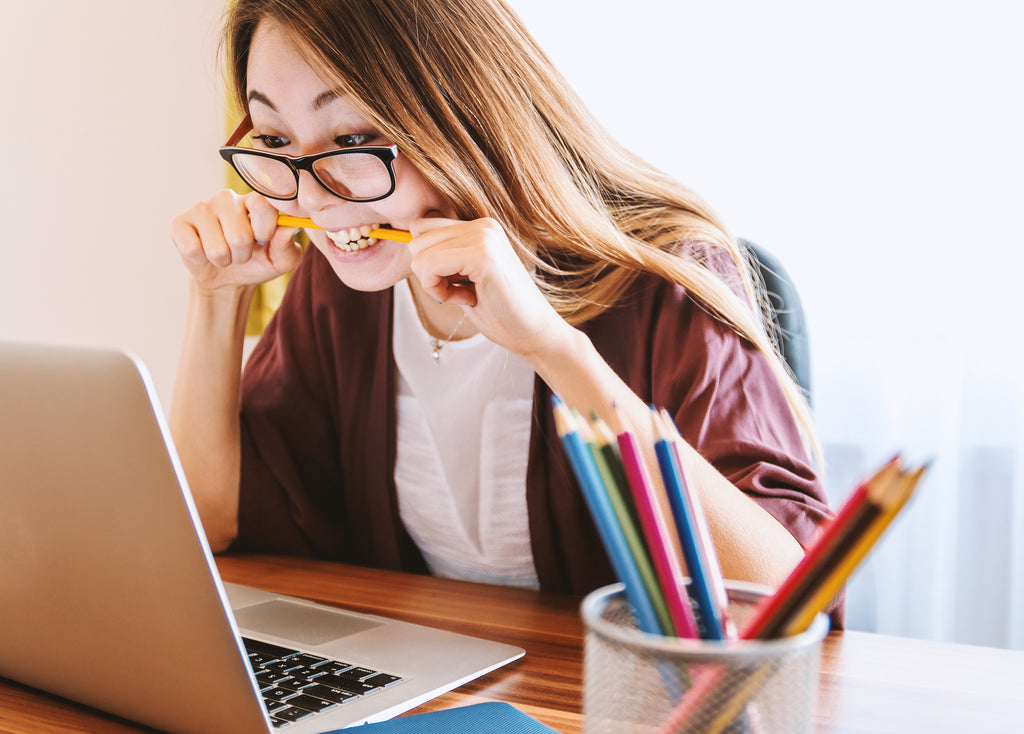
x=869, y=683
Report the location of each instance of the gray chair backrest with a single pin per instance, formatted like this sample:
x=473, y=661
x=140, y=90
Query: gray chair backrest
x=788, y=313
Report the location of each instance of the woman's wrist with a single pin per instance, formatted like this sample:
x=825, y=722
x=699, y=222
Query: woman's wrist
x=557, y=353
x=221, y=309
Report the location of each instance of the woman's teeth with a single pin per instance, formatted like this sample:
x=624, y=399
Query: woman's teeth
x=354, y=238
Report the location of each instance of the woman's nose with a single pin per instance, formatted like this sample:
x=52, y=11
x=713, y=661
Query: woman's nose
x=312, y=196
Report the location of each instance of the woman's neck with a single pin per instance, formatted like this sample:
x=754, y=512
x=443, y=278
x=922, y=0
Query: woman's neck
x=440, y=320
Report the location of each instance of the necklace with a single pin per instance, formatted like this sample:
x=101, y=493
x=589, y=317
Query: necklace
x=436, y=345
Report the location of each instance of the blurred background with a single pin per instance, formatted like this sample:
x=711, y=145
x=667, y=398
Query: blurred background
x=875, y=148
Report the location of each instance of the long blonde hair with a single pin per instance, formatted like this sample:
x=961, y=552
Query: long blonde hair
x=472, y=101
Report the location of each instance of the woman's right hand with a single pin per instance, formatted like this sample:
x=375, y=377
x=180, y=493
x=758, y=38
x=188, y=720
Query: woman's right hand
x=232, y=241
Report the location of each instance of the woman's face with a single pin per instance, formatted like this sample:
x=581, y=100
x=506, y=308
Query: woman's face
x=296, y=113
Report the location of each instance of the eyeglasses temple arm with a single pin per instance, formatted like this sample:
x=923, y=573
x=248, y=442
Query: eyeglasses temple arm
x=240, y=132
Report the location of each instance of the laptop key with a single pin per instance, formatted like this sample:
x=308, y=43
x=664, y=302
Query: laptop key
x=335, y=666
x=357, y=673
x=292, y=714
x=265, y=648
x=309, y=659
x=306, y=672
x=281, y=666
x=382, y=679
x=311, y=703
x=270, y=677
x=331, y=694
x=257, y=659
x=294, y=684
x=346, y=684
x=273, y=707
x=279, y=694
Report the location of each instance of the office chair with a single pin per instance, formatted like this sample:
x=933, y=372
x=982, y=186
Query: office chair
x=787, y=312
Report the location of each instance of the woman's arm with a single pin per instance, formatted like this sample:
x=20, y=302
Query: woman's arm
x=751, y=544
x=218, y=242
x=204, y=409
x=507, y=307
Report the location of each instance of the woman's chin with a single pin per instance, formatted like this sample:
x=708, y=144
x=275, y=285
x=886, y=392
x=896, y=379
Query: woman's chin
x=372, y=268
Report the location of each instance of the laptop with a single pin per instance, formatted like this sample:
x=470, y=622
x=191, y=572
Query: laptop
x=109, y=595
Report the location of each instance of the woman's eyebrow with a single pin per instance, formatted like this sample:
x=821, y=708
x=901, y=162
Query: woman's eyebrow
x=323, y=99
x=255, y=96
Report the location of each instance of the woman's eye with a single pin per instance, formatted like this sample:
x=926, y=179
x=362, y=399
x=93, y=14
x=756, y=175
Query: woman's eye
x=271, y=141
x=348, y=141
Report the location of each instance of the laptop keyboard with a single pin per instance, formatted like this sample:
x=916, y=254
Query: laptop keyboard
x=296, y=685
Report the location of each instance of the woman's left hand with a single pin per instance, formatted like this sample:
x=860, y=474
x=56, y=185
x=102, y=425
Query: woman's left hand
x=472, y=264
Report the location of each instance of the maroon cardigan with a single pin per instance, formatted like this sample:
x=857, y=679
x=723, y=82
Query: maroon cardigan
x=319, y=440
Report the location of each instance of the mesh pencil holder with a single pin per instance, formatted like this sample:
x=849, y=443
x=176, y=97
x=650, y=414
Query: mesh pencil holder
x=638, y=683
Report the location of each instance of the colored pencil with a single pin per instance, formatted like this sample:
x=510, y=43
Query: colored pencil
x=891, y=498
x=381, y=233
x=836, y=549
x=609, y=468
x=659, y=534
x=771, y=616
x=601, y=511
x=708, y=616
x=704, y=543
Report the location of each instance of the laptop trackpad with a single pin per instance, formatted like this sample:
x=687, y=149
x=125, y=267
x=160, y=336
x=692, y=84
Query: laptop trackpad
x=297, y=622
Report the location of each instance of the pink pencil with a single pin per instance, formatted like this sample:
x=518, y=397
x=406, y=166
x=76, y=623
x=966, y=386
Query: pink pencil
x=667, y=564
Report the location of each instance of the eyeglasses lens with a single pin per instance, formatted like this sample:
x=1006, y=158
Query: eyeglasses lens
x=355, y=176
x=265, y=175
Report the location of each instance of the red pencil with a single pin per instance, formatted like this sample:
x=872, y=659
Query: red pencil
x=772, y=614
x=830, y=558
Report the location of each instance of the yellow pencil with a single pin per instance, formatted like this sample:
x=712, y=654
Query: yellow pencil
x=286, y=220
x=395, y=235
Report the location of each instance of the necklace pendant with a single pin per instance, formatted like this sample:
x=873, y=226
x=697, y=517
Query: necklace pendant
x=436, y=350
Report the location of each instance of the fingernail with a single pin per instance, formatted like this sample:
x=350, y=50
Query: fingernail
x=263, y=242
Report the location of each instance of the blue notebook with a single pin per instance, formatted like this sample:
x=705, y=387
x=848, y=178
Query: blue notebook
x=477, y=718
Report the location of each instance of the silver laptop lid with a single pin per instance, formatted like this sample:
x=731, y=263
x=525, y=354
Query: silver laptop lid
x=108, y=592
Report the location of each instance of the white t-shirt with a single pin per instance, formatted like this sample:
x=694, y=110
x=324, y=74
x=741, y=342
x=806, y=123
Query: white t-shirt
x=463, y=442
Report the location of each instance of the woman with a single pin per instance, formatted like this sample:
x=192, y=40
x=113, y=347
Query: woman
x=397, y=411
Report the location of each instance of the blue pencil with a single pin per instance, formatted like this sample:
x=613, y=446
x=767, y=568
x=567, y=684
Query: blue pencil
x=604, y=518
x=709, y=620
x=707, y=548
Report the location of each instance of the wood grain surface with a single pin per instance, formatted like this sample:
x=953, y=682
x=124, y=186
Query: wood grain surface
x=868, y=682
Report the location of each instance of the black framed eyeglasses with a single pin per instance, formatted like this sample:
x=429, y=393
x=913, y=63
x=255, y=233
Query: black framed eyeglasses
x=354, y=174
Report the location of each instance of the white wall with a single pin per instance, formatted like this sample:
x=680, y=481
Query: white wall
x=876, y=147
x=109, y=123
